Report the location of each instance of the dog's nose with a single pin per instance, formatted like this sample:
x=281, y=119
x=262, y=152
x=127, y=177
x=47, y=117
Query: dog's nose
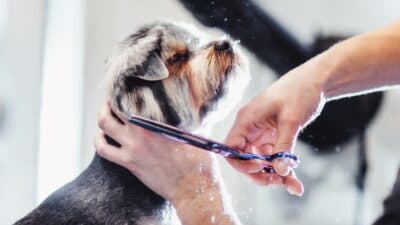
x=222, y=46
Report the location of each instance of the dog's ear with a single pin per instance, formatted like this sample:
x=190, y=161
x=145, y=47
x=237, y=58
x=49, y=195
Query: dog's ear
x=152, y=69
x=139, y=56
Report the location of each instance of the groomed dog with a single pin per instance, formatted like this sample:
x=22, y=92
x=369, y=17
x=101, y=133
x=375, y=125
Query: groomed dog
x=164, y=72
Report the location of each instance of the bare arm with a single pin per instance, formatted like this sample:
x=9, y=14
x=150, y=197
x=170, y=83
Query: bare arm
x=364, y=63
x=209, y=207
x=361, y=64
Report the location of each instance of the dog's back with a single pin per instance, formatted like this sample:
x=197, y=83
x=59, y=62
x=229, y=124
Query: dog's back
x=104, y=193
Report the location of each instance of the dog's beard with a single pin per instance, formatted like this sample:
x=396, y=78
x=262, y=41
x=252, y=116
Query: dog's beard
x=237, y=79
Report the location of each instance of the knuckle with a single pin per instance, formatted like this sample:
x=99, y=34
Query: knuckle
x=102, y=122
x=100, y=150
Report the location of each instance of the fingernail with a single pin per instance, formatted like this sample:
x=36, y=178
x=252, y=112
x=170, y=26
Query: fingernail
x=292, y=190
x=281, y=167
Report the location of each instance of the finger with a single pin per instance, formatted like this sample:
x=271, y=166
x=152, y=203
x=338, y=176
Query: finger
x=266, y=140
x=266, y=178
x=282, y=166
x=293, y=185
x=243, y=130
x=122, y=118
x=263, y=149
x=108, y=151
x=245, y=166
x=104, y=111
x=110, y=125
x=286, y=135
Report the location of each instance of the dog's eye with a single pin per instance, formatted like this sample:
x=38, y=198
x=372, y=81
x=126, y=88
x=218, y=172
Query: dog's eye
x=179, y=57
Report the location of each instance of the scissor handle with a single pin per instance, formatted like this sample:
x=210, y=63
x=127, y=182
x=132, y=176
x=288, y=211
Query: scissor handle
x=200, y=142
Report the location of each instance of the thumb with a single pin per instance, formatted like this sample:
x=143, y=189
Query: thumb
x=287, y=132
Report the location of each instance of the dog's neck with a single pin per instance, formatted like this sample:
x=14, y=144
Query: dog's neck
x=127, y=191
x=128, y=194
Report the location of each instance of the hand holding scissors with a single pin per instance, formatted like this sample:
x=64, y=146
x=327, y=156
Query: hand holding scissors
x=209, y=145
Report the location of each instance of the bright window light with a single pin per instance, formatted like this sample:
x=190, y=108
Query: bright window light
x=3, y=16
x=61, y=104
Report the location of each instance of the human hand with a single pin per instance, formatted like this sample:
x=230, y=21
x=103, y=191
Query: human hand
x=271, y=122
x=185, y=176
x=173, y=170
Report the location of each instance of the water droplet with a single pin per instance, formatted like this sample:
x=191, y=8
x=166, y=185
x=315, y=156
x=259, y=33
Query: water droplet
x=225, y=19
x=212, y=219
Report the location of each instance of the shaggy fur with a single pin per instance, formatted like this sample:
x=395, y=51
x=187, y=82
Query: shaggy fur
x=163, y=72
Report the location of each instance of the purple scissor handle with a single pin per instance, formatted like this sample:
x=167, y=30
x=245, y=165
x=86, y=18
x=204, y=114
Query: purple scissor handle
x=206, y=144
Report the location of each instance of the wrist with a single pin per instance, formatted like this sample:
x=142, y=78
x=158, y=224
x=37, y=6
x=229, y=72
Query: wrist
x=333, y=62
x=207, y=207
x=194, y=188
x=322, y=69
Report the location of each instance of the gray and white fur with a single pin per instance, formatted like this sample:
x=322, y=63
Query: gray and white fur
x=166, y=72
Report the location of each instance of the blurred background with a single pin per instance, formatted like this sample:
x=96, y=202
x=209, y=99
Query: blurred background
x=52, y=55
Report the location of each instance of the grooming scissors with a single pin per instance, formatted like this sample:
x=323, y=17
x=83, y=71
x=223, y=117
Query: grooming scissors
x=207, y=144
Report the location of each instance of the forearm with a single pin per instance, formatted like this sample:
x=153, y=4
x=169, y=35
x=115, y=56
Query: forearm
x=208, y=207
x=360, y=64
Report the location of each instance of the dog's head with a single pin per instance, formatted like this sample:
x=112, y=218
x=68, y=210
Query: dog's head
x=169, y=73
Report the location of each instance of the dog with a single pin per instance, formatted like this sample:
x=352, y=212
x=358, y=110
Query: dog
x=166, y=72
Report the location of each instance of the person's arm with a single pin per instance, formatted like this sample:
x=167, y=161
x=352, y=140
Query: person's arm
x=185, y=176
x=208, y=207
x=364, y=63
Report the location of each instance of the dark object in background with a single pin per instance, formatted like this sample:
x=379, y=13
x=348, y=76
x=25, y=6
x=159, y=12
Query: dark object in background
x=343, y=119
x=272, y=44
x=257, y=31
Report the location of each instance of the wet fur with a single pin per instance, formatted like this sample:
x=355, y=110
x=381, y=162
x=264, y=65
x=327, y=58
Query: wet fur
x=144, y=81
